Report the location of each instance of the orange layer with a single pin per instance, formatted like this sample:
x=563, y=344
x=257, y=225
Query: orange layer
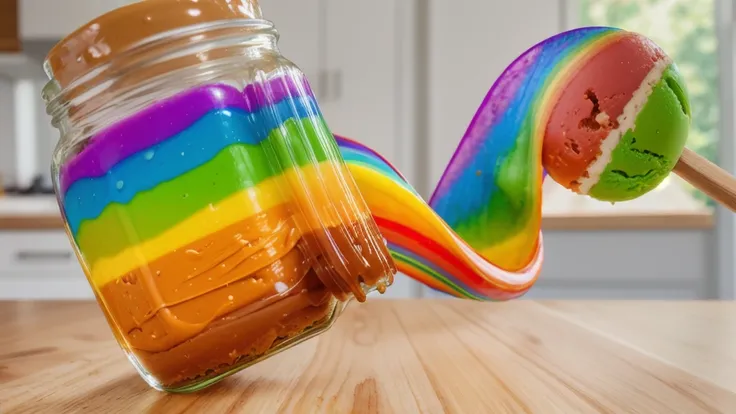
x=176, y=296
x=240, y=338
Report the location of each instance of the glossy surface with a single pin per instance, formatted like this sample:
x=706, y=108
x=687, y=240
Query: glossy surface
x=405, y=357
x=114, y=33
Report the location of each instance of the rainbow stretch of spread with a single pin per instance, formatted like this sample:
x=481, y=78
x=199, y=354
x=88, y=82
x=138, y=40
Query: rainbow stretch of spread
x=479, y=237
x=188, y=227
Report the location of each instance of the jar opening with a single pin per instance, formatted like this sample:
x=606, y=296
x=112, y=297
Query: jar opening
x=113, y=33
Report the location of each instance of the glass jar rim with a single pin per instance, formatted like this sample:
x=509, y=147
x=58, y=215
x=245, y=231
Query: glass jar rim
x=116, y=31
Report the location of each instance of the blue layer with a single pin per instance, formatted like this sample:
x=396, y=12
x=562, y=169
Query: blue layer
x=185, y=151
x=473, y=191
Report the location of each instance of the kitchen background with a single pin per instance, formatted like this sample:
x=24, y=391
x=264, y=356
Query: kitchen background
x=421, y=67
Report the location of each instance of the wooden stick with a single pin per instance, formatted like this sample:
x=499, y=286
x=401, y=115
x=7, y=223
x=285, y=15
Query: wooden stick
x=708, y=178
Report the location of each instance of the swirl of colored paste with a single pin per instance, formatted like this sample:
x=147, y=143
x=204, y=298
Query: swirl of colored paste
x=600, y=110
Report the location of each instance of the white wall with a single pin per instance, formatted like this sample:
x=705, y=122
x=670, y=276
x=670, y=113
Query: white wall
x=624, y=264
x=470, y=43
x=7, y=145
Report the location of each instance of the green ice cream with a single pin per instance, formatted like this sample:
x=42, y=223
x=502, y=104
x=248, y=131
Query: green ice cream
x=647, y=153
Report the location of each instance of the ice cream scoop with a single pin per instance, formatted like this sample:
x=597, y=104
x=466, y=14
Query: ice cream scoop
x=621, y=121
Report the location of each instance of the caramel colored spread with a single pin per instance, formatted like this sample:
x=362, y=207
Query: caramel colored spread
x=233, y=294
x=239, y=336
x=139, y=43
x=116, y=32
x=237, y=293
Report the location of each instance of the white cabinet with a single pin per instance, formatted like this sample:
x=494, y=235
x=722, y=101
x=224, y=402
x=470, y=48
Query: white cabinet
x=361, y=61
x=54, y=19
x=353, y=64
x=40, y=265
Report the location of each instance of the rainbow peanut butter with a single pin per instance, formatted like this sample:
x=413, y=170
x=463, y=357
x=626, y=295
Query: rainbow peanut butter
x=217, y=223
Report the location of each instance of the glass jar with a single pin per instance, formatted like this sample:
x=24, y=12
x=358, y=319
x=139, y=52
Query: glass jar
x=204, y=194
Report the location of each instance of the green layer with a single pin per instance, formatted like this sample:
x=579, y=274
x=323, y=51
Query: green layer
x=235, y=168
x=646, y=154
x=508, y=210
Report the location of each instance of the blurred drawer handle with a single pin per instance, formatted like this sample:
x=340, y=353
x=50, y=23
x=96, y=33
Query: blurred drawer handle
x=336, y=85
x=35, y=256
x=323, y=86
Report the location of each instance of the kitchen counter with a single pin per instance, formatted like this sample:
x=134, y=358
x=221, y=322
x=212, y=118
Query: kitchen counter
x=38, y=212
x=404, y=356
x=42, y=212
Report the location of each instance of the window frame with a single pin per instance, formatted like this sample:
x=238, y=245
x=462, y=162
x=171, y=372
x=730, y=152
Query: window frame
x=723, y=237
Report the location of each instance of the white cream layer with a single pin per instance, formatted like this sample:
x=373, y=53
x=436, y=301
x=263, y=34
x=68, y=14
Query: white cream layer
x=626, y=121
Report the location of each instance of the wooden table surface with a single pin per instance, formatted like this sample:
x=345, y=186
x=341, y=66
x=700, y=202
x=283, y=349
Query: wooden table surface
x=442, y=356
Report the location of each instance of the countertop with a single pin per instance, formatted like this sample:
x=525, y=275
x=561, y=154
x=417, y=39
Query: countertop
x=42, y=213
x=404, y=356
x=36, y=212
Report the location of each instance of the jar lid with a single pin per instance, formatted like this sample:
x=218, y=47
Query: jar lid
x=96, y=42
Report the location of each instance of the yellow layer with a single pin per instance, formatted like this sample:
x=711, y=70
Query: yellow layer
x=313, y=190
x=389, y=200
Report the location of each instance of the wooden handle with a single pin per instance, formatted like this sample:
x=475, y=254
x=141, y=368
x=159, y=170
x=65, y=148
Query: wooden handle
x=708, y=178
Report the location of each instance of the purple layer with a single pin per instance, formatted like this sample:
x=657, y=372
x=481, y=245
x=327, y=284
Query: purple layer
x=169, y=117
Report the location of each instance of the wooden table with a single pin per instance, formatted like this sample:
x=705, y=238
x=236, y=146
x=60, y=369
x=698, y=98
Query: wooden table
x=444, y=356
